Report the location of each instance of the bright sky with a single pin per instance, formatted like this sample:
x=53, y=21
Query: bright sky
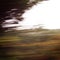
x=46, y=13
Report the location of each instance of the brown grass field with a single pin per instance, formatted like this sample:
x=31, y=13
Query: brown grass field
x=31, y=46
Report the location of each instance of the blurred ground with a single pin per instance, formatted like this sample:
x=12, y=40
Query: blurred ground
x=31, y=44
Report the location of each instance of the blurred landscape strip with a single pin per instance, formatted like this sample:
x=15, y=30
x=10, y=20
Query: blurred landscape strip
x=30, y=44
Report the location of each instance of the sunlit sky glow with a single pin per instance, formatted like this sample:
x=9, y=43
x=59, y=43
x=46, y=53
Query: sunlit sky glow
x=46, y=13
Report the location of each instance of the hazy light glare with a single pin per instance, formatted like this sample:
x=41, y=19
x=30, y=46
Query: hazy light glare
x=46, y=13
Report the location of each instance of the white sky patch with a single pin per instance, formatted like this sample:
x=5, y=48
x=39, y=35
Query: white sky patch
x=46, y=13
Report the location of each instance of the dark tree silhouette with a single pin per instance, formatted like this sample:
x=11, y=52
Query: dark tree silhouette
x=10, y=9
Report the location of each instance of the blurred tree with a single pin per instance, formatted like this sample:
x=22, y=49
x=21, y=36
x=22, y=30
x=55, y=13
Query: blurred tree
x=10, y=9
